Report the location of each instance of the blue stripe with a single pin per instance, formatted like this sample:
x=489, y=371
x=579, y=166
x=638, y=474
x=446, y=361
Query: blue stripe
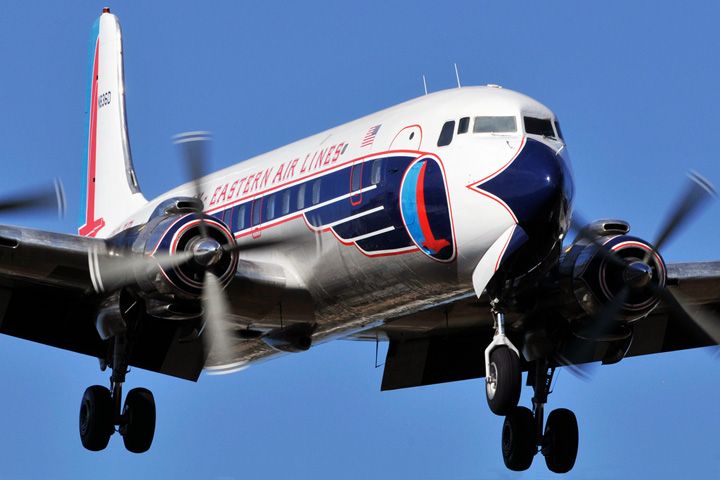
x=409, y=205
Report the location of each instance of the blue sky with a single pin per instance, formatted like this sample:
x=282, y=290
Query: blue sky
x=634, y=85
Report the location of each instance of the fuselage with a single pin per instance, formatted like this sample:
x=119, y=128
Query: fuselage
x=391, y=213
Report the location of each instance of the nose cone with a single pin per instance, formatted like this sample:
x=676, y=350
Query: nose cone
x=537, y=187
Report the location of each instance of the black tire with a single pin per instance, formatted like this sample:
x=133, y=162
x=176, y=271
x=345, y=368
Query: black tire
x=96, y=418
x=139, y=415
x=504, y=394
x=518, y=439
x=560, y=441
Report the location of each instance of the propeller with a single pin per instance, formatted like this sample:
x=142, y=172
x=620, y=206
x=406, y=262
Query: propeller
x=638, y=274
x=112, y=271
x=195, y=151
x=195, y=148
x=40, y=199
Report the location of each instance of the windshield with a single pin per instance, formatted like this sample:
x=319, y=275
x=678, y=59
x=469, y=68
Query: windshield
x=495, y=125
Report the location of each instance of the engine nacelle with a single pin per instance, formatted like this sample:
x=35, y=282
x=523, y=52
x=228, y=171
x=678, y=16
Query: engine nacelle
x=174, y=230
x=595, y=280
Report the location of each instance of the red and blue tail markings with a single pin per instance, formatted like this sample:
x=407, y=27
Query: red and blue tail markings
x=90, y=224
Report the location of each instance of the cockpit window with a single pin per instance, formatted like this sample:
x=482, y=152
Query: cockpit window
x=559, y=132
x=495, y=125
x=539, y=126
x=446, y=134
x=463, y=125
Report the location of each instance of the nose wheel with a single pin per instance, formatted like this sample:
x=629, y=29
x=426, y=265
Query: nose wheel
x=503, y=378
x=523, y=435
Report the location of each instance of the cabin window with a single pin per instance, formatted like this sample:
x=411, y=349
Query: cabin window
x=376, y=172
x=286, y=202
x=316, y=192
x=270, y=207
x=356, y=177
x=495, y=125
x=446, y=134
x=463, y=125
x=301, y=197
x=539, y=126
x=241, y=217
x=256, y=212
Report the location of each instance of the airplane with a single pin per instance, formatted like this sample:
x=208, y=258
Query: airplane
x=439, y=225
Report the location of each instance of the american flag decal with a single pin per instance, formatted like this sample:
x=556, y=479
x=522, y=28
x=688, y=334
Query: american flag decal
x=370, y=136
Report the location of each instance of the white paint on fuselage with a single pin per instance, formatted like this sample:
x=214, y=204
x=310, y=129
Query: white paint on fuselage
x=350, y=289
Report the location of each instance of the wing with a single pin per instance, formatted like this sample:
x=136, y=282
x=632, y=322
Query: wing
x=47, y=296
x=446, y=343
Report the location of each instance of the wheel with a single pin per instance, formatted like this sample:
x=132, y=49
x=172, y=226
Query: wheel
x=139, y=415
x=96, y=418
x=518, y=439
x=560, y=441
x=503, y=381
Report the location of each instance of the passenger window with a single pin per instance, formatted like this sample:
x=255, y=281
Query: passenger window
x=270, y=207
x=463, y=125
x=356, y=177
x=539, y=126
x=316, y=192
x=495, y=125
x=446, y=134
x=241, y=217
x=286, y=202
x=301, y=197
x=256, y=212
x=376, y=172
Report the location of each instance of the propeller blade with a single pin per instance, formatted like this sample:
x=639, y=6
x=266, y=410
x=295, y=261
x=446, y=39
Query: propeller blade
x=705, y=320
x=584, y=372
x=583, y=350
x=697, y=193
x=40, y=199
x=110, y=272
x=195, y=146
x=254, y=245
x=215, y=331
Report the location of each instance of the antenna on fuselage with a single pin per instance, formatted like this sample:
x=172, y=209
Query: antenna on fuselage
x=457, y=75
x=424, y=84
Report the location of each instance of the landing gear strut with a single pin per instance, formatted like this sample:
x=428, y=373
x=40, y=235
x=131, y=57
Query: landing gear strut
x=101, y=409
x=523, y=435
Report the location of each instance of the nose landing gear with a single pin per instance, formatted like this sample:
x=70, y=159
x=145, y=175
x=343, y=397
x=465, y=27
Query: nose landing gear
x=503, y=377
x=523, y=435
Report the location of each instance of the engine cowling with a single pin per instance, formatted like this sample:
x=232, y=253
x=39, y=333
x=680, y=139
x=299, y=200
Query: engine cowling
x=174, y=231
x=596, y=279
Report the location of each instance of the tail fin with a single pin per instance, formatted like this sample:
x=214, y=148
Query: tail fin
x=111, y=190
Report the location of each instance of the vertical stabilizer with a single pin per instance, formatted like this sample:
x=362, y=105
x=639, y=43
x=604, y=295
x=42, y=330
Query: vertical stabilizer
x=111, y=192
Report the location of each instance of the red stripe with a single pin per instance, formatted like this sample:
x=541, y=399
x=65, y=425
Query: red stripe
x=92, y=224
x=430, y=241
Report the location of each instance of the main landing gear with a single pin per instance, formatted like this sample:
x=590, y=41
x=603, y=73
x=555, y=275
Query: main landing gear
x=523, y=434
x=101, y=412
